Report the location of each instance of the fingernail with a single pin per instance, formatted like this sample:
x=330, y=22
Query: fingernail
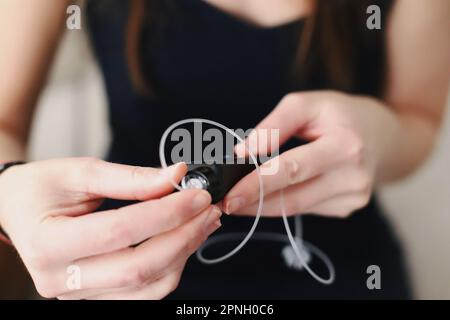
x=167, y=174
x=234, y=204
x=213, y=227
x=201, y=200
x=167, y=171
x=212, y=222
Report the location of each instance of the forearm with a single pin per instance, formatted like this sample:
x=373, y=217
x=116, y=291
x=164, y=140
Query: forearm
x=406, y=146
x=29, y=34
x=11, y=148
x=416, y=86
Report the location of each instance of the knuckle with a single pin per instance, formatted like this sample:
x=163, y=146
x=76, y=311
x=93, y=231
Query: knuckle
x=291, y=101
x=355, y=148
x=362, y=201
x=45, y=288
x=39, y=260
x=304, y=204
x=133, y=276
x=173, y=282
x=118, y=234
x=86, y=172
x=138, y=174
x=44, y=292
x=175, y=218
x=90, y=165
x=292, y=171
x=330, y=102
x=295, y=206
x=292, y=98
x=362, y=184
x=187, y=246
x=190, y=239
x=343, y=213
x=173, y=211
x=329, y=107
x=179, y=208
x=169, y=284
x=37, y=255
x=366, y=185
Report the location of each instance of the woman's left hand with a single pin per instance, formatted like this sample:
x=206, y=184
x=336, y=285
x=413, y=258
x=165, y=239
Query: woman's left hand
x=332, y=175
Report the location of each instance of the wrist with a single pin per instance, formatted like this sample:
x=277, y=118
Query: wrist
x=389, y=137
x=4, y=166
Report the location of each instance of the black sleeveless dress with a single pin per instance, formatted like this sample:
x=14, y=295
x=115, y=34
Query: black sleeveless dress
x=208, y=64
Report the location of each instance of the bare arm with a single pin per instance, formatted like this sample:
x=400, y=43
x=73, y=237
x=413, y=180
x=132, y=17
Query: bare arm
x=358, y=141
x=29, y=33
x=418, y=80
x=59, y=192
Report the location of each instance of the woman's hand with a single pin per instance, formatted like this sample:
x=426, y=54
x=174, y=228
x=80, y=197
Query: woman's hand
x=334, y=174
x=138, y=251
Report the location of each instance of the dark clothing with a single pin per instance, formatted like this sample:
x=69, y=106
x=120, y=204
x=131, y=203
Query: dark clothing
x=205, y=63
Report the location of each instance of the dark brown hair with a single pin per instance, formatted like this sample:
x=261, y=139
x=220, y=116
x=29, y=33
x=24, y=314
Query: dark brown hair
x=331, y=40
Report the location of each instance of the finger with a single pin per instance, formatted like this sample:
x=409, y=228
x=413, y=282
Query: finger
x=292, y=113
x=79, y=208
x=133, y=267
x=148, y=261
x=292, y=167
x=86, y=294
x=156, y=290
x=340, y=206
x=100, y=179
x=92, y=294
x=298, y=198
x=112, y=230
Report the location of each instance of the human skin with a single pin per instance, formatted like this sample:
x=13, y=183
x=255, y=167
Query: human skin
x=137, y=251
x=356, y=142
x=43, y=204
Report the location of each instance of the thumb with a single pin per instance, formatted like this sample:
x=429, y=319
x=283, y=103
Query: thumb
x=101, y=179
x=290, y=115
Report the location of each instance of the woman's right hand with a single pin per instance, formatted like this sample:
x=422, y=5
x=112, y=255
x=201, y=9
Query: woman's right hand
x=135, y=252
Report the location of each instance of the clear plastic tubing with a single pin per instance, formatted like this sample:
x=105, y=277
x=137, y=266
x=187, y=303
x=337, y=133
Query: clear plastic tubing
x=266, y=236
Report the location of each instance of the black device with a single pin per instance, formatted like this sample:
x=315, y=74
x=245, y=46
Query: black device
x=216, y=178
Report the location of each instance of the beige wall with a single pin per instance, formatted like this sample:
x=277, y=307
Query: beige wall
x=71, y=121
x=71, y=118
x=420, y=209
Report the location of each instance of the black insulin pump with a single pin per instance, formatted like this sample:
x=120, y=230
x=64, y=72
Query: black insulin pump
x=216, y=178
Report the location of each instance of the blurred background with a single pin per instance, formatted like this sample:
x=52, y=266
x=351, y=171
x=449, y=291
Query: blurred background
x=72, y=121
